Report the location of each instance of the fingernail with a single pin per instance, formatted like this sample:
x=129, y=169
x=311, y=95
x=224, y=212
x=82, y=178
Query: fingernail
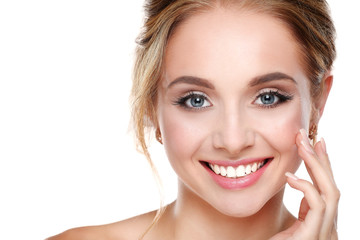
x=305, y=142
x=323, y=145
x=307, y=147
x=291, y=175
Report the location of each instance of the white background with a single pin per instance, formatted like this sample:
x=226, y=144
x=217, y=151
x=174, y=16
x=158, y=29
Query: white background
x=66, y=156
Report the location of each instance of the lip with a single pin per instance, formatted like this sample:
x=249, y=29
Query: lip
x=236, y=163
x=237, y=183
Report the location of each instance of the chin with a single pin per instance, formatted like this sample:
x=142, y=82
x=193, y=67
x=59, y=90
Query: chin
x=249, y=203
x=240, y=210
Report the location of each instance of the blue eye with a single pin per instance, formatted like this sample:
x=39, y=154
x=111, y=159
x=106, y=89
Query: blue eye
x=271, y=98
x=268, y=99
x=193, y=100
x=196, y=101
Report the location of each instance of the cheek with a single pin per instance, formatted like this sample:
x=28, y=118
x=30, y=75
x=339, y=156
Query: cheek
x=280, y=134
x=182, y=133
x=283, y=140
x=280, y=125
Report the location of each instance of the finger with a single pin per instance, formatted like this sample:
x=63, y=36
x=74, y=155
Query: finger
x=312, y=215
x=330, y=216
x=332, y=199
x=299, y=139
x=319, y=168
x=318, y=172
x=304, y=209
x=306, y=152
x=321, y=152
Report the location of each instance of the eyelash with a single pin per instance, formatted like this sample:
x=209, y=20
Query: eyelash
x=282, y=98
x=191, y=95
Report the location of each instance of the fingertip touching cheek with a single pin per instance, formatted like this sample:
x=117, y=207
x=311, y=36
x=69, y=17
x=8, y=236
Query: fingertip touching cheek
x=230, y=104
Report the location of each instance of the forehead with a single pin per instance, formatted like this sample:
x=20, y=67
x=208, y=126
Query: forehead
x=229, y=44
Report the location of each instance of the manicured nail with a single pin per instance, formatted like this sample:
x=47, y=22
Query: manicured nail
x=305, y=141
x=307, y=147
x=291, y=175
x=323, y=145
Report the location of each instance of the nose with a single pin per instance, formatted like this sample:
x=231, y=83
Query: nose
x=233, y=133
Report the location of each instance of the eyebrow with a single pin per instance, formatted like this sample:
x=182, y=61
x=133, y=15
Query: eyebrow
x=192, y=80
x=270, y=77
x=254, y=82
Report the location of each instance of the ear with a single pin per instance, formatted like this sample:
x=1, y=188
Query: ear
x=321, y=102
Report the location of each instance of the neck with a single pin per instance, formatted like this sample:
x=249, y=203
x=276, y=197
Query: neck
x=193, y=218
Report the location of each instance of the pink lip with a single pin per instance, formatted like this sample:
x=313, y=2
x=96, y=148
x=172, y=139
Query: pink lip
x=237, y=183
x=238, y=162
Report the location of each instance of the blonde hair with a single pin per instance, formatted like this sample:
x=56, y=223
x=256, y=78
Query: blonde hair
x=309, y=22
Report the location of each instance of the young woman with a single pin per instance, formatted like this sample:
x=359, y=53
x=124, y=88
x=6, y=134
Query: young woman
x=234, y=90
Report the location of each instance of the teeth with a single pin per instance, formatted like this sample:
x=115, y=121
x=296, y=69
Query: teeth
x=223, y=171
x=216, y=169
x=248, y=169
x=211, y=166
x=254, y=167
x=230, y=172
x=239, y=171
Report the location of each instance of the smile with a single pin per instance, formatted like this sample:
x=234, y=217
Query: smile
x=234, y=176
x=239, y=171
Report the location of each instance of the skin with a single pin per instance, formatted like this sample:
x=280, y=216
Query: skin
x=233, y=123
x=234, y=127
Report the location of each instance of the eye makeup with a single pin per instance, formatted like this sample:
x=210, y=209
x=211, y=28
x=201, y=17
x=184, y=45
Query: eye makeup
x=271, y=98
x=193, y=100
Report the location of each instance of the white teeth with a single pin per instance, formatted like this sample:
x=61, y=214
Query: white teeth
x=254, y=167
x=217, y=169
x=223, y=171
x=240, y=171
x=248, y=169
x=230, y=172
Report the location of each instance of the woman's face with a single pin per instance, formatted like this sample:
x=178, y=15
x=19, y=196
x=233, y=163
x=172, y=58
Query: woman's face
x=232, y=99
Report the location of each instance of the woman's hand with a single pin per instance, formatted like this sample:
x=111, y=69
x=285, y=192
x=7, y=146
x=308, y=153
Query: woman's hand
x=317, y=218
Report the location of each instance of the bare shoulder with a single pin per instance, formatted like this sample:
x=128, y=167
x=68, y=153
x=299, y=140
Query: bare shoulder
x=82, y=233
x=128, y=229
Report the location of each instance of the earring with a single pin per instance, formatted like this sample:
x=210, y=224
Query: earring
x=158, y=136
x=313, y=132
